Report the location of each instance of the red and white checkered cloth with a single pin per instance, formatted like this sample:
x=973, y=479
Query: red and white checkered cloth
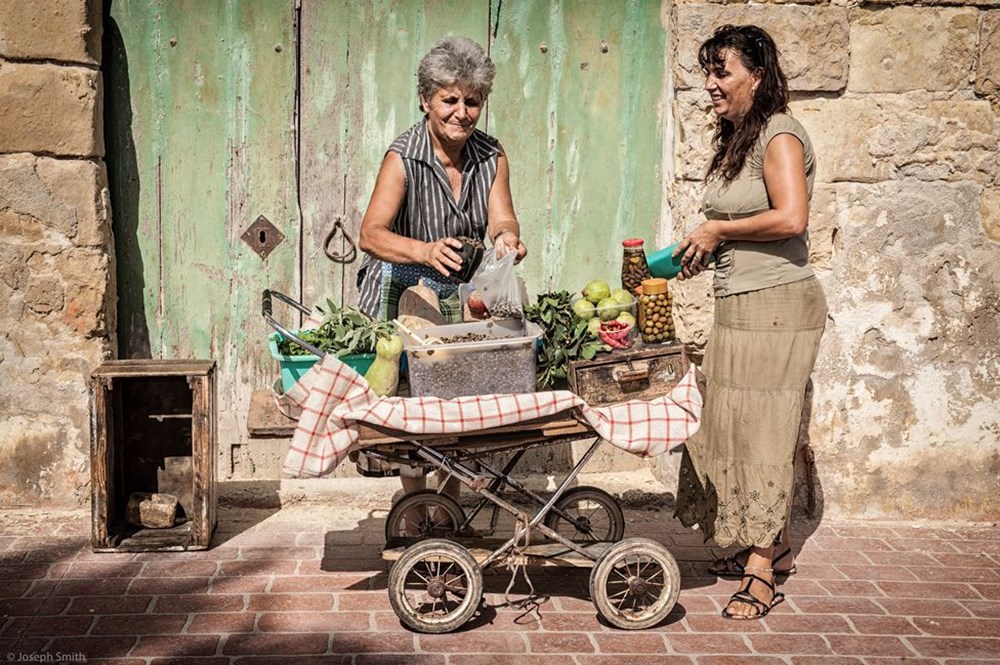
x=332, y=399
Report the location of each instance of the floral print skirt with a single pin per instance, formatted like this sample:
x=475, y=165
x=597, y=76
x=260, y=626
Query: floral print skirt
x=737, y=471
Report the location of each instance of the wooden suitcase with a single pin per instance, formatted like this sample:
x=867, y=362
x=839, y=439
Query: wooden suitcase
x=645, y=371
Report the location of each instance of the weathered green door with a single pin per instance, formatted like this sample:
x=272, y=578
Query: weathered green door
x=221, y=112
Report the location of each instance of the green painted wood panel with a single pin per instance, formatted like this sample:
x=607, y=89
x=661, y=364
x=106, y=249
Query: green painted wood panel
x=578, y=105
x=202, y=129
x=358, y=72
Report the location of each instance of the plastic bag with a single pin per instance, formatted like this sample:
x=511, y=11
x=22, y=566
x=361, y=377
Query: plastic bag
x=501, y=290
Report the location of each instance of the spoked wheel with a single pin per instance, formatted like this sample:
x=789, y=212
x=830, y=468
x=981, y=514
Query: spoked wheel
x=435, y=586
x=421, y=515
x=635, y=584
x=591, y=515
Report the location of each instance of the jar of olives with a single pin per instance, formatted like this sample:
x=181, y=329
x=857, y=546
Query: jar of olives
x=634, y=266
x=656, y=320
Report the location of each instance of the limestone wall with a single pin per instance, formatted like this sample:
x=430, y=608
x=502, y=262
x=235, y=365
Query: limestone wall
x=56, y=251
x=901, y=103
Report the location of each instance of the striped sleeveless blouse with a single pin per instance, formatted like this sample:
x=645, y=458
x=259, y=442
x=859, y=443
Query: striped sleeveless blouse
x=429, y=212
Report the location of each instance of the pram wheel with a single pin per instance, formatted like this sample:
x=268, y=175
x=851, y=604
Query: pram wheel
x=435, y=586
x=635, y=584
x=593, y=516
x=421, y=515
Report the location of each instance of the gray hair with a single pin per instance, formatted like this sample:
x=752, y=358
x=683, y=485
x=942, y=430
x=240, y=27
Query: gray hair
x=455, y=61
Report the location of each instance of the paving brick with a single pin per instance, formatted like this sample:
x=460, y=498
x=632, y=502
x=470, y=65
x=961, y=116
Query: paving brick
x=222, y=623
x=740, y=660
x=956, y=647
x=374, y=642
x=282, y=552
x=987, y=609
x=560, y=643
x=32, y=606
x=848, y=544
x=979, y=560
x=17, y=571
x=178, y=569
x=291, y=602
x=59, y=626
x=850, y=588
x=183, y=660
x=295, y=622
x=402, y=659
x=896, y=558
x=826, y=660
x=821, y=557
x=94, y=647
x=554, y=621
x=834, y=605
x=928, y=590
x=867, y=645
x=867, y=624
x=11, y=589
x=248, y=584
x=182, y=604
x=987, y=591
x=107, y=587
x=154, y=586
x=276, y=644
x=922, y=545
x=13, y=627
x=878, y=573
x=708, y=643
x=498, y=643
x=172, y=645
x=361, y=600
x=109, y=604
x=958, y=627
x=692, y=603
x=148, y=624
x=520, y=659
x=785, y=622
x=256, y=567
x=637, y=642
x=788, y=643
x=89, y=570
x=635, y=660
x=931, y=607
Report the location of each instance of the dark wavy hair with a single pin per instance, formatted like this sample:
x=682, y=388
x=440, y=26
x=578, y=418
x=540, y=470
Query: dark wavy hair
x=758, y=52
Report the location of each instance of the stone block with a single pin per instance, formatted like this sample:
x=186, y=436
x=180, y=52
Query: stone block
x=912, y=48
x=151, y=510
x=89, y=287
x=990, y=212
x=824, y=227
x=64, y=30
x=50, y=109
x=870, y=139
x=988, y=64
x=47, y=202
x=694, y=126
x=812, y=41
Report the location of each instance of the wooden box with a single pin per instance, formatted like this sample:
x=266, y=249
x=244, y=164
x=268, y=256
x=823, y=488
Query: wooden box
x=153, y=429
x=641, y=372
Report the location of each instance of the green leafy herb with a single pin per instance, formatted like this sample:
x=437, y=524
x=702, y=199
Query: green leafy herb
x=344, y=331
x=565, y=337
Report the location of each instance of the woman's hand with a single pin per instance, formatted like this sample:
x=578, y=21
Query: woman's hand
x=696, y=247
x=509, y=241
x=442, y=255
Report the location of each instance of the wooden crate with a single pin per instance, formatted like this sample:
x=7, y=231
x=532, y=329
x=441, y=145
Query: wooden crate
x=153, y=429
x=642, y=372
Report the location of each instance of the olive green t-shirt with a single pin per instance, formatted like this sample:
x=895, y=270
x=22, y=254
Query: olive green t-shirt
x=745, y=265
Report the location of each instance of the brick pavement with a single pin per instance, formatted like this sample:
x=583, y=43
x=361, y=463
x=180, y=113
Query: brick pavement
x=305, y=585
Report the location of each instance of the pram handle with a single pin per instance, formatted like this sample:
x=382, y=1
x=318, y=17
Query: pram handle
x=265, y=311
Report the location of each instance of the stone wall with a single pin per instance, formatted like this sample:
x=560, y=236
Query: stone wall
x=56, y=252
x=901, y=104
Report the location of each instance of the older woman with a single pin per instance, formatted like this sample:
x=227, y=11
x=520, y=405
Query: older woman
x=737, y=472
x=439, y=180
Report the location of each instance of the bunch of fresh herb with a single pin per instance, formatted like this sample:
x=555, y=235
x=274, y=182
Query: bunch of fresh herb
x=344, y=331
x=565, y=337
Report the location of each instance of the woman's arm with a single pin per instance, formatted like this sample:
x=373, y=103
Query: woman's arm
x=502, y=228
x=788, y=191
x=377, y=237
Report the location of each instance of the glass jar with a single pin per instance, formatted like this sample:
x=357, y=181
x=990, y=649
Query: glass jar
x=656, y=319
x=634, y=267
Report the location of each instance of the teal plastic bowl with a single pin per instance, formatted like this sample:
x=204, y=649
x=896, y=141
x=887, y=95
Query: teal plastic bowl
x=294, y=368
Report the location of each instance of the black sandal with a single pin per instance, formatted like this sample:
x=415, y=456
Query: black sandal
x=747, y=598
x=730, y=567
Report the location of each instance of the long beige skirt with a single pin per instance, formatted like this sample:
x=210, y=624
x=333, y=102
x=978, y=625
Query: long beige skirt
x=737, y=471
